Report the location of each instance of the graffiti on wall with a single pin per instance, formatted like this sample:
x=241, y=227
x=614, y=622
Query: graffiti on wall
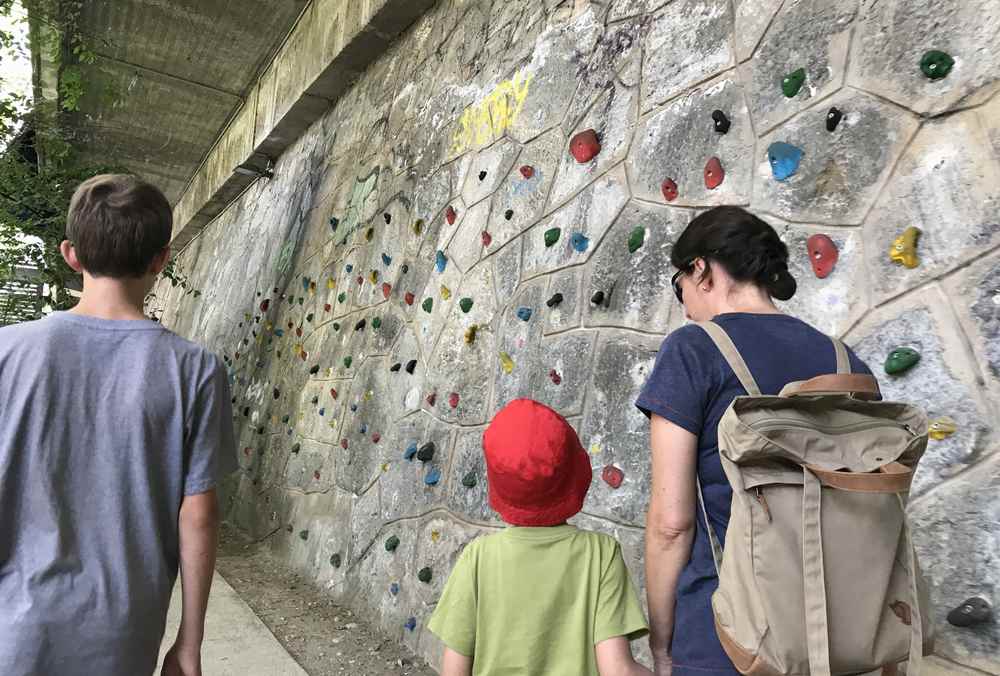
x=487, y=120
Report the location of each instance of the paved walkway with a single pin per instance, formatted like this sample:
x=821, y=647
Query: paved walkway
x=236, y=642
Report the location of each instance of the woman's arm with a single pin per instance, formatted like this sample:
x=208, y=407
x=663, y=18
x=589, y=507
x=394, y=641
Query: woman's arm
x=669, y=529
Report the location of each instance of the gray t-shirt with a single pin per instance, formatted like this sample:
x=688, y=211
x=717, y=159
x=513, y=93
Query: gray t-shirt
x=104, y=426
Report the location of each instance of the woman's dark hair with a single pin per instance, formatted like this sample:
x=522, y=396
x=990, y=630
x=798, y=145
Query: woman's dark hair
x=747, y=247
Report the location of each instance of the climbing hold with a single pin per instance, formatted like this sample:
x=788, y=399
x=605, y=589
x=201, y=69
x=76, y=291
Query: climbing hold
x=395, y=367
x=714, y=173
x=289, y=528
x=636, y=238
x=335, y=561
x=391, y=543
x=527, y=171
x=904, y=248
x=470, y=334
x=418, y=226
x=433, y=476
x=411, y=624
x=341, y=297
x=336, y=326
x=347, y=362
x=722, y=122
x=386, y=290
x=823, y=255
x=552, y=236
x=555, y=377
x=354, y=408
x=833, y=118
x=305, y=284
x=277, y=393
x=445, y=292
x=376, y=437
x=524, y=313
x=322, y=411
x=453, y=399
x=784, y=159
x=387, y=217
x=942, y=428
x=579, y=242
x=343, y=443
x=428, y=304
x=426, y=452
x=316, y=475
x=506, y=362
x=264, y=304
x=431, y=398
x=312, y=288
x=304, y=534
x=450, y=215
x=487, y=238
x=669, y=189
x=301, y=300
x=410, y=365
x=612, y=476
x=309, y=317
x=331, y=282
x=315, y=399
x=394, y=588
x=792, y=83
x=349, y=268
x=369, y=234
x=284, y=419
x=597, y=298
x=373, y=276
x=972, y=611
x=334, y=222
x=410, y=452
x=333, y=392
x=408, y=298
x=470, y=480
x=327, y=307
x=482, y=175
x=296, y=447
x=298, y=331
x=440, y=261
x=585, y=146
x=465, y=304
x=554, y=300
x=900, y=360
x=376, y=322
x=424, y=575
x=509, y=214
x=360, y=280
x=936, y=64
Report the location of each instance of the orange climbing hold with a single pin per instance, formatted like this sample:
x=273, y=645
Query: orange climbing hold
x=714, y=173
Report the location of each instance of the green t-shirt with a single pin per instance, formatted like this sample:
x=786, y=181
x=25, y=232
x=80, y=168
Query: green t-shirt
x=536, y=601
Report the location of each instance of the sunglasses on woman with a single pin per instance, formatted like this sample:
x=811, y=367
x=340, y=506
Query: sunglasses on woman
x=675, y=282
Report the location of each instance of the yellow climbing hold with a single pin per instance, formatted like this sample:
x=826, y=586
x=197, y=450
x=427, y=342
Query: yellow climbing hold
x=904, y=248
x=445, y=292
x=942, y=428
x=373, y=276
x=595, y=449
x=385, y=467
x=369, y=394
x=298, y=349
x=470, y=334
x=435, y=535
x=246, y=316
x=329, y=371
x=269, y=326
x=312, y=288
x=331, y=283
x=506, y=362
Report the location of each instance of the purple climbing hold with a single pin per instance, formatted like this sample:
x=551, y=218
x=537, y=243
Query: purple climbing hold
x=411, y=624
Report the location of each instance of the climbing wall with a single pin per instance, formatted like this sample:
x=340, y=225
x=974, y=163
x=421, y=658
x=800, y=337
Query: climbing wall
x=489, y=212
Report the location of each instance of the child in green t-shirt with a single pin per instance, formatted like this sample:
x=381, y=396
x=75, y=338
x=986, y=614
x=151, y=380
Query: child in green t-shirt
x=540, y=597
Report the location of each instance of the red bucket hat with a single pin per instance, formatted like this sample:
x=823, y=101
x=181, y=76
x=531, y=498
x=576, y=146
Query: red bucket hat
x=538, y=473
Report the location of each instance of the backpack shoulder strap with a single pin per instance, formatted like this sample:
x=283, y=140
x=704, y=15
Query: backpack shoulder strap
x=732, y=355
x=843, y=360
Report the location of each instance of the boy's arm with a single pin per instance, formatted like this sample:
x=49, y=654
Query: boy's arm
x=199, y=526
x=455, y=664
x=614, y=658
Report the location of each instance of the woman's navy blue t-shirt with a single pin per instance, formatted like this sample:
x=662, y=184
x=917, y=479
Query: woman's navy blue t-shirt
x=692, y=385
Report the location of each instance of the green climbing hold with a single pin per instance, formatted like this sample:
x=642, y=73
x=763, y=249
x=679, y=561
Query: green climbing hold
x=284, y=419
x=425, y=575
x=376, y=322
x=335, y=560
x=465, y=304
x=304, y=534
x=391, y=543
x=342, y=297
x=900, y=360
x=636, y=239
x=552, y=236
x=469, y=480
x=428, y=304
x=792, y=83
x=347, y=362
x=936, y=64
x=309, y=317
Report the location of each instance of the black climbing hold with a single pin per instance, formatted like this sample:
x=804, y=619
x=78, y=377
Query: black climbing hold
x=972, y=611
x=387, y=218
x=335, y=560
x=509, y=214
x=482, y=175
x=360, y=326
x=277, y=393
x=425, y=575
x=555, y=300
x=395, y=367
x=391, y=543
x=336, y=326
x=315, y=399
x=833, y=118
x=405, y=268
x=309, y=317
x=246, y=412
x=722, y=122
x=304, y=534
x=410, y=365
x=597, y=298
x=289, y=528
x=469, y=480
x=296, y=447
x=426, y=452
x=314, y=370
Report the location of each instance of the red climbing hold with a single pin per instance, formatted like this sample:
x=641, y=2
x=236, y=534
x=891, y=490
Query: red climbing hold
x=555, y=377
x=585, y=146
x=376, y=437
x=333, y=392
x=714, y=173
x=823, y=254
x=327, y=307
x=453, y=399
x=386, y=290
x=298, y=331
x=527, y=170
x=431, y=398
x=343, y=443
x=487, y=238
x=246, y=451
x=361, y=280
x=450, y=215
x=612, y=476
x=264, y=304
x=408, y=298
x=316, y=475
x=290, y=325
x=669, y=189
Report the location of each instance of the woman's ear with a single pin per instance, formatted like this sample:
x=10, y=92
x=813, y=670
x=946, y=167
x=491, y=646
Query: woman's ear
x=702, y=274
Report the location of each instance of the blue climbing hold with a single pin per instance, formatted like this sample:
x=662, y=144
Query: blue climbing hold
x=349, y=268
x=305, y=283
x=784, y=159
x=386, y=259
x=364, y=429
x=524, y=313
x=441, y=261
x=579, y=242
x=411, y=624
x=334, y=222
x=433, y=477
x=394, y=588
x=411, y=451
x=279, y=332
x=322, y=411
x=354, y=408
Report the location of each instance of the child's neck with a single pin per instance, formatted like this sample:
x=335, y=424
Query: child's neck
x=109, y=298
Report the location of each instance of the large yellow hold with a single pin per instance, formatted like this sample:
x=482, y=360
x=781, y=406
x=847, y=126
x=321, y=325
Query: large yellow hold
x=904, y=248
x=942, y=428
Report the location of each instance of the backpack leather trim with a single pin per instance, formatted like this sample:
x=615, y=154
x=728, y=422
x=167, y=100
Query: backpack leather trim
x=743, y=660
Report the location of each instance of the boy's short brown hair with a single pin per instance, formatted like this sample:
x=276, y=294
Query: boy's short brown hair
x=117, y=224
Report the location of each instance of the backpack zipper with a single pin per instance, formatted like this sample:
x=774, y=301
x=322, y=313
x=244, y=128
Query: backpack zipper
x=763, y=503
x=779, y=423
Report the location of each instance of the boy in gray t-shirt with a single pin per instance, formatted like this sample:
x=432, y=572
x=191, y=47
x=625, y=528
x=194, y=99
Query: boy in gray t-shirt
x=113, y=434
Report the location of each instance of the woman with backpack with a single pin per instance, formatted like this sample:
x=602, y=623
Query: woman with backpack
x=731, y=266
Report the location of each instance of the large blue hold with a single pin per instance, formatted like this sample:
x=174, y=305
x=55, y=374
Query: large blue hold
x=579, y=242
x=441, y=261
x=433, y=477
x=784, y=159
x=410, y=452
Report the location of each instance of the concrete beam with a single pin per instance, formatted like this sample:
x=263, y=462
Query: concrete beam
x=332, y=43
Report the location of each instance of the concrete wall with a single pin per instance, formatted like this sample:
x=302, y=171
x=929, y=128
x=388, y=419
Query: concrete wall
x=474, y=91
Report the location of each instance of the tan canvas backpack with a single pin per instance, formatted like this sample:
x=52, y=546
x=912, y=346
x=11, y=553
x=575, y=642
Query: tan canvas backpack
x=818, y=575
